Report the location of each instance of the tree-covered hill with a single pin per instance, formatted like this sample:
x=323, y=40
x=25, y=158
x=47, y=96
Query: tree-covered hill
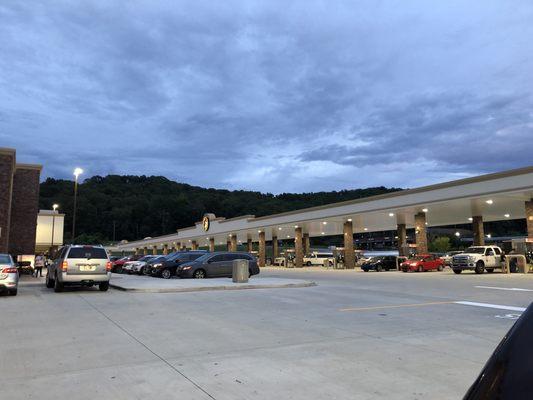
x=134, y=207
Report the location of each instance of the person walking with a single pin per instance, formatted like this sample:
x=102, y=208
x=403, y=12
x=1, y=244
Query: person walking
x=39, y=264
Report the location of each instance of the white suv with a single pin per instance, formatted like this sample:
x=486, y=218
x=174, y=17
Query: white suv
x=80, y=265
x=318, y=259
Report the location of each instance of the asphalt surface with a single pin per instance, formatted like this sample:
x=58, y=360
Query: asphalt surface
x=356, y=335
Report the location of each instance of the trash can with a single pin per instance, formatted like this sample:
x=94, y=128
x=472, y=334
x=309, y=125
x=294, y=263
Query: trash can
x=240, y=272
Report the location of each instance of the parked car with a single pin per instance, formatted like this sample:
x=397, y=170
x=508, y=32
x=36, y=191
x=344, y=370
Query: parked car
x=139, y=266
x=167, y=268
x=129, y=265
x=79, y=265
x=148, y=268
x=381, y=263
x=317, y=258
x=479, y=258
x=132, y=267
x=119, y=264
x=423, y=262
x=217, y=264
x=9, y=275
x=447, y=258
x=25, y=267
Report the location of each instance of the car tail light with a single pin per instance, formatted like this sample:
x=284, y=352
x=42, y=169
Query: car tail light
x=64, y=266
x=9, y=270
x=109, y=266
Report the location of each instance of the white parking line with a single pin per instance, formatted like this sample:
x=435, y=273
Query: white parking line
x=487, y=305
x=515, y=289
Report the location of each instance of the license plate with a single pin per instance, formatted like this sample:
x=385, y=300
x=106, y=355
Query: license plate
x=86, y=268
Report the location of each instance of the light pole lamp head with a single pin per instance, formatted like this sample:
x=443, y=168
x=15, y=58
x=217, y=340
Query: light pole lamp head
x=55, y=207
x=78, y=172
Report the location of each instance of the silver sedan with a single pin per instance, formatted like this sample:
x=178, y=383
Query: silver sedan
x=9, y=275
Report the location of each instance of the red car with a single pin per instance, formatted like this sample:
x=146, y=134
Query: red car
x=118, y=264
x=423, y=262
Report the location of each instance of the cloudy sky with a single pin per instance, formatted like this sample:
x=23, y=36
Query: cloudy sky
x=269, y=95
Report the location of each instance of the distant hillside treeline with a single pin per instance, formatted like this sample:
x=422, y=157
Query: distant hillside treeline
x=134, y=207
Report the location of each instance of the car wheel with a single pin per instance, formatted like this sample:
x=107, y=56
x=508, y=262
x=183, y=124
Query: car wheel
x=457, y=271
x=103, y=287
x=166, y=274
x=58, y=286
x=141, y=271
x=13, y=292
x=439, y=268
x=420, y=269
x=49, y=281
x=490, y=270
x=366, y=270
x=379, y=269
x=308, y=263
x=480, y=267
x=199, y=274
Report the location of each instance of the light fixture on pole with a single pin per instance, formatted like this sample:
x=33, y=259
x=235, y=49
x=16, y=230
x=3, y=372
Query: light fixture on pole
x=54, y=207
x=77, y=173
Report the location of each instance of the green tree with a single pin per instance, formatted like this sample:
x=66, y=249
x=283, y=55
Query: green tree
x=440, y=244
x=138, y=206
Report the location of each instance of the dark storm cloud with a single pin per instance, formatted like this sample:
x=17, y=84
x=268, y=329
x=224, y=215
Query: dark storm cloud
x=269, y=95
x=457, y=132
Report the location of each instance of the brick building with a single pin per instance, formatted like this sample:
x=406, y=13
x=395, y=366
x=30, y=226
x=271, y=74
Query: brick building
x=19, y=204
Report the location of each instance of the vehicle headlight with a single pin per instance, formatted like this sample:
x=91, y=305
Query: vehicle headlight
x=157, y=265
x=471, y=258
x=186, y=268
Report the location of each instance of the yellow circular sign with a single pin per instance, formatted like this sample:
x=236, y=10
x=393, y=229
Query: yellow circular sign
x=205, y=223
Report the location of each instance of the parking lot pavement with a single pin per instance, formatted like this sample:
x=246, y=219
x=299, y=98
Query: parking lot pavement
x=356, y=335
x=135, y=283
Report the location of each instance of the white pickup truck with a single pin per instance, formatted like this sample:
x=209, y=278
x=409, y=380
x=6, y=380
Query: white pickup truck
x=479, y=259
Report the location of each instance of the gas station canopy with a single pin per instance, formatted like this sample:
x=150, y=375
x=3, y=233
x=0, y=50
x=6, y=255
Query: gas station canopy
x=494, y=197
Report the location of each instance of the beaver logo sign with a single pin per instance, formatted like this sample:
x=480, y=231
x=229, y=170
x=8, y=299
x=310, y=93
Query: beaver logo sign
x=205, y=223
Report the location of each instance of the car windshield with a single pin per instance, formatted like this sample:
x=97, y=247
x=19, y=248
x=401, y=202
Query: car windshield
x=145, y=258
x=477, y=250
x=87, y=252
x=419, y=258
x=5, y=259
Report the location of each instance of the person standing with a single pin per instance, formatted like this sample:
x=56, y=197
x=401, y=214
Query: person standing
x=39, y=264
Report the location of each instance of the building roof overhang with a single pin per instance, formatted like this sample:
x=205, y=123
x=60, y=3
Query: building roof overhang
x=496, y=196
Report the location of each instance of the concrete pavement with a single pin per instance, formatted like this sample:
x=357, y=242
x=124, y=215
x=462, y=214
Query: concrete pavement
x=356, y=335
x=146, y=284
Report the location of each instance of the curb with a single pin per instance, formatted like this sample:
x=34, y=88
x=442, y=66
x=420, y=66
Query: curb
x=209, y=288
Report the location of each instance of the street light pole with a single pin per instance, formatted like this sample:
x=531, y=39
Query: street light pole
x=55, y=207
x=77, y=173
